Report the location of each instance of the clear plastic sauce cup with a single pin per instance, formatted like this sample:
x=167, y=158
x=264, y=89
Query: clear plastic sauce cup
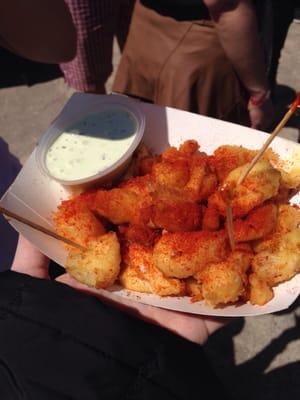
x=96, y=148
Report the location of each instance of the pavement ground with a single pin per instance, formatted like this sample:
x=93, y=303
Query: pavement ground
x=257, y=358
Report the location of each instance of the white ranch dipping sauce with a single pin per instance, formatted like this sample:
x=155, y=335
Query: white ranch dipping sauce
x=92, y=145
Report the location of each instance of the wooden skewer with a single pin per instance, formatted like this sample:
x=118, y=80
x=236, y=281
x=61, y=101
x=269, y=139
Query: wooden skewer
x=278, y=128
x=39, y=228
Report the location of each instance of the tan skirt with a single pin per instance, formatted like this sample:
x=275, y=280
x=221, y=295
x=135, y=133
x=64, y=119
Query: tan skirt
x=180, y=64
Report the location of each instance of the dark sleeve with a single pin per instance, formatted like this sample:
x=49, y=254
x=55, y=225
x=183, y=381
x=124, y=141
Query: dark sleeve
x=57, y=343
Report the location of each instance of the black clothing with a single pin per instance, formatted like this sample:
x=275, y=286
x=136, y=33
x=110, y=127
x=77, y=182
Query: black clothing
x=58, y=343
x=16, y=70
x=181, y=10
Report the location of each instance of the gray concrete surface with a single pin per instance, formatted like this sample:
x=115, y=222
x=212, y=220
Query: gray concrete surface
x=257, y=358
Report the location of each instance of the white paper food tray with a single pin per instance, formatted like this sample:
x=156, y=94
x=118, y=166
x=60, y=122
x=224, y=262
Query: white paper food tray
x=35, y=196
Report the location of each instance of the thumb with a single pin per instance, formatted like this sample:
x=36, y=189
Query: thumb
x=29, y=260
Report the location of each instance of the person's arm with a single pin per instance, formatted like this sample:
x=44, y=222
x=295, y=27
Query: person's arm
x=236, y=23
x=39, y=30
x=56, y=342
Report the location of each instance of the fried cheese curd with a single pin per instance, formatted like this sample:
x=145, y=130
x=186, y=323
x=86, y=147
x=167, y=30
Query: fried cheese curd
x=226, y=281
x=74, y=219
x=129, y=203
x=227, y=158
x=99, y=265
x=183, y=254
x=140, y=274
x=163, y=228
x=289, y=169
x=277, y=257
x=261, y=184
x=167, y=197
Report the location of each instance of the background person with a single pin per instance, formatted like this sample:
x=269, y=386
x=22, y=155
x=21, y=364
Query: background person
x=26, y=28
x=201, y=56
x=97, y=23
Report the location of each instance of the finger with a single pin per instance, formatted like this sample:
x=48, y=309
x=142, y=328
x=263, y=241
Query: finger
x=29, y=260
